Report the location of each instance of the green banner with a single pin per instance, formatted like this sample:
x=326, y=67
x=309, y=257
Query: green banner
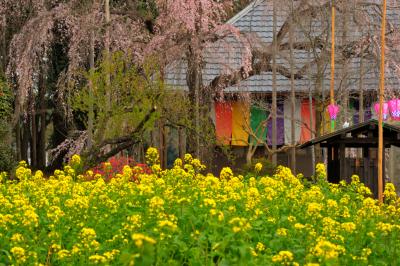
x=258, y=124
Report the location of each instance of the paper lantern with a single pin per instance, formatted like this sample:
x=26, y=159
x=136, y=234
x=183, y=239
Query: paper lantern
x=394, y=108
x=385, y=110
x=333, y=111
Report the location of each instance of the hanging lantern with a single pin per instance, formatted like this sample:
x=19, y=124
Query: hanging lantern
x=394, y=108
x=385, y=110
x=333, y=111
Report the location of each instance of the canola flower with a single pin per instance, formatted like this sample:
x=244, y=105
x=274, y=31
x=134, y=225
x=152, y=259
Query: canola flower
x=258, y=167
x=185, y=215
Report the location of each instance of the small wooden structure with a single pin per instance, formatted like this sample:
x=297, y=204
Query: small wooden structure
x=363, y=139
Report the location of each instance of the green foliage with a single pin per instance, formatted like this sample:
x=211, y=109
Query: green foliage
x=147, y=8
x=6, y=99
x=268, y=168
x=121, y=95
x=6, y=152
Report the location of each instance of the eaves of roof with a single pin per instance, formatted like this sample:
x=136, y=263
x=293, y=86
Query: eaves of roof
x=374, y=122
x=244, y=12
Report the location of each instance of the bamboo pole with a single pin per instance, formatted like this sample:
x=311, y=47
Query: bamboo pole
x=332, y=92
x=381, y=95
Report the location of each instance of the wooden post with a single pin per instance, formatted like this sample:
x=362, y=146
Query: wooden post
x=336, y=165
x=383, y=165
x=330, y=163
x=366, y=174
x=342, y=154
x=381, y=95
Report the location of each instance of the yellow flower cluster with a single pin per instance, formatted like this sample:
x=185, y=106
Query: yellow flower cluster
x=226, y=173
x=284, y=257
x=186, y=216
x=258, y=167
x=320, y=171
x=140, y=239
x=326, y=250
x=152, y=156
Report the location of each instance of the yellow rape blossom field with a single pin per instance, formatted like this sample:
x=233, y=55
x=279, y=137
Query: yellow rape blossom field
x=183, y=216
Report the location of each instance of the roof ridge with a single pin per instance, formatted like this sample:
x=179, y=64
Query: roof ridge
x=244, y=11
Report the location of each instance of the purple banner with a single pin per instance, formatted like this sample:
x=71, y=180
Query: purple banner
x=367, y=115
x=280, y=124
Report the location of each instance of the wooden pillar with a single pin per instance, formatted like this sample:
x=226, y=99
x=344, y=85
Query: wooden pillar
x=342, y=159
x=383, y=165
x=330, y=164
x=336, y=165
x=366, y=173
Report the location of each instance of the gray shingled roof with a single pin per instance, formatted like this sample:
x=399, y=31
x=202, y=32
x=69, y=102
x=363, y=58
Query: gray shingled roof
x=256, y=19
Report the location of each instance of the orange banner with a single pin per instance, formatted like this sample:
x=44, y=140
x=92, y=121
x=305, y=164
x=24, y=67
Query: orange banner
x=306, y=127
x=223, y=121
x=240, y=123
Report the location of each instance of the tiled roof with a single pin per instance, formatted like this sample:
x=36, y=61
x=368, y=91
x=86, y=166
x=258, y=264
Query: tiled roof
x=256, y=19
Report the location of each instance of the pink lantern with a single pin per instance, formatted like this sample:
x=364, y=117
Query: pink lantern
x=385, y=110
x=394, y=108
x=333, y=111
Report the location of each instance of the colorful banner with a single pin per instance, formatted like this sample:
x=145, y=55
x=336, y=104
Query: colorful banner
x=240, y=123
x=223, y=118
x=280, y=127
x=258, y=124
x=306, y=128
x=288, y=121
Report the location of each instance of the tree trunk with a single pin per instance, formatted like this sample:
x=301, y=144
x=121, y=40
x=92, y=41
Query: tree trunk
x=181, y=143
x=250, y=153
x=310, y=102
x=91, y=90
x=162, y=144
x=274, y=94
x=345, y=92
x=107, y=38
x=3, y=46
x=41, y=147
x=33, y=141
x=25, y=139
x=107, y=60
x=361, y=91
x=18, y=140
x=196, y=97
x=292, y=94
x=319, y=108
